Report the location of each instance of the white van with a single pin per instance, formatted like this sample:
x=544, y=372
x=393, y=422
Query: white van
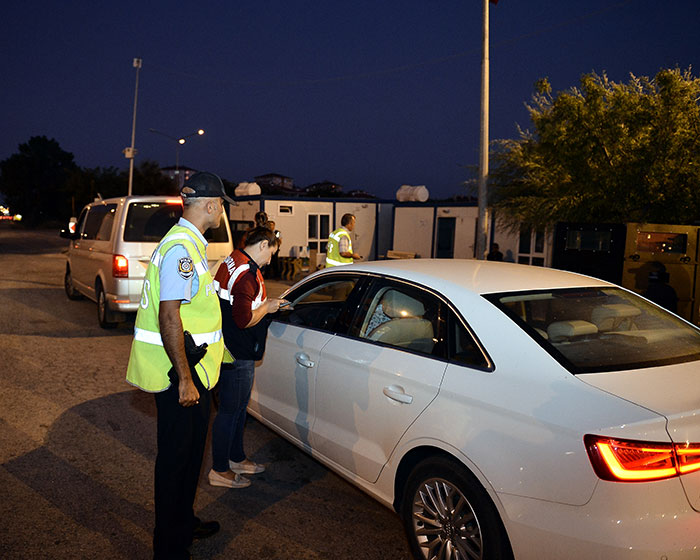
x=111, y=245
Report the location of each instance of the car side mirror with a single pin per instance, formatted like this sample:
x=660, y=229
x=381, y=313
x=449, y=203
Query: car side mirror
x=70, y=233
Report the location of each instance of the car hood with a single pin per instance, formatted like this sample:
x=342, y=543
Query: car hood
x=671, y=391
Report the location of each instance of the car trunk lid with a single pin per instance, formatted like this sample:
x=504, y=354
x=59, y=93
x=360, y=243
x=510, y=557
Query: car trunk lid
x=671, y=391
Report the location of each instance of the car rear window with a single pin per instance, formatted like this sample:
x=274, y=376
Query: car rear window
x=592, y=330
x=148, y=222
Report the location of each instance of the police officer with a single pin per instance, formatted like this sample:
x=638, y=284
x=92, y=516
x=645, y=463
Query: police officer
x=178, y=295
x=339, y=249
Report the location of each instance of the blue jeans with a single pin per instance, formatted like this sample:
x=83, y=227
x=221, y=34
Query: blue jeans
x=235, y=384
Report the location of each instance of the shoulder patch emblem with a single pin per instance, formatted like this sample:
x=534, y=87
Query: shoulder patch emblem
x=185, y=268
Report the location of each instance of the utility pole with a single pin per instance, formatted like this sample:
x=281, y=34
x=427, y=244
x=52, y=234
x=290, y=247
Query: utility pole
x=483, y=224
x=130, y=152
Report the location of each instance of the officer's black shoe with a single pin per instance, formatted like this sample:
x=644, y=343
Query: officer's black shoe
x=205, y=529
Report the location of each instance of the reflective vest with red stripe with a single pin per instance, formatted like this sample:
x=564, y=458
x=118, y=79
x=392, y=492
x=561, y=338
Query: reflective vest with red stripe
x=232, y=269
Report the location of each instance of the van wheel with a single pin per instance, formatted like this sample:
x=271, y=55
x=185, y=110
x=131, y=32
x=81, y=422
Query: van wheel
x=447, y=514
x=71, y=292
x=104, y=316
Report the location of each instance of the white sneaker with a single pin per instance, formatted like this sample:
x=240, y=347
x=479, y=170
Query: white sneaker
x=238, y=481
x=246, y=467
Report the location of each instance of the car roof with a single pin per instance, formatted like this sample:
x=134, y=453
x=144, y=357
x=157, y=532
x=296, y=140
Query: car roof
x=136, y=198
x=481, y=277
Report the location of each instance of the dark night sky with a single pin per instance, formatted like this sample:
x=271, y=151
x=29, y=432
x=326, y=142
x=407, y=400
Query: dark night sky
x=368, y=94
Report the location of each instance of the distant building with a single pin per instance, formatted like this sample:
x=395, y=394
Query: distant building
x=359, y=193
x=324, y=188
x=305, y=222
x=423, y=229
x=274, y=183
x=334, y=190
x=434, y=229
x=179, y=174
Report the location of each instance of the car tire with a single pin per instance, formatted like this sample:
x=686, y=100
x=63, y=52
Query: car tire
x=71, y=292
x=103, y=314
x=447, y=514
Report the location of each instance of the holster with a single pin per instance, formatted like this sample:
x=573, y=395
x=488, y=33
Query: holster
x=194, y=353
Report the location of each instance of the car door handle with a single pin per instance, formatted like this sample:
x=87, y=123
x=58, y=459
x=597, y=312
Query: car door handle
x=303, y=360
x=396, y=393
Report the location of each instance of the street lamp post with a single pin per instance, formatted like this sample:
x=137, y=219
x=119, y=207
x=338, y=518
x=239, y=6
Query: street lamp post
x=179, y=141
x=130, y=152
x=483, y=221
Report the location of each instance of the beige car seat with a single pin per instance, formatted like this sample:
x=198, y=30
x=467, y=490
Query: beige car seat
x=406, y=326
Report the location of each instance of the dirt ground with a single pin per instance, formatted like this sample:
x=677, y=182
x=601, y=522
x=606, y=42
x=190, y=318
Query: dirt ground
x=77, y=445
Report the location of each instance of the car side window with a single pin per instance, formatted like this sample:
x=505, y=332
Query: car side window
x=403, y=316
x=98, y=225
x=81, y=222
x=463, y=348
x=318, y=304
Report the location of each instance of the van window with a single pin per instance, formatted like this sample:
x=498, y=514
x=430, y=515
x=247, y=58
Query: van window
x=148, y=222
x=81, y=222
x=217, y=235
x=98, y=225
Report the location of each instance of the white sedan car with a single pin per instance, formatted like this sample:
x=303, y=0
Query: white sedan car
x=504, y=411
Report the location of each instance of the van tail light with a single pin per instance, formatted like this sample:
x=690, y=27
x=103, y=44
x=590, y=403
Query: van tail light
x=120, y=266
x=640, y=461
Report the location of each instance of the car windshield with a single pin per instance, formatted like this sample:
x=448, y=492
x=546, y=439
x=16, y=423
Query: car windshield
x=601, y=329
x=148, y=222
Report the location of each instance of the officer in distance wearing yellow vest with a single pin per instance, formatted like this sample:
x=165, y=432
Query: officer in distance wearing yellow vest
x=178, y=295
x=339, y=249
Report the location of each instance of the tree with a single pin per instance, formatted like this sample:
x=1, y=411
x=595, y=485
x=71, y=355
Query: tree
x=606, y=152
x=148, y=179
x=43, y=183
x=84, y=185
x=34, y=180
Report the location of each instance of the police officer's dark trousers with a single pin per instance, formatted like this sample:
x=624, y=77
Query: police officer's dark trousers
x=181, y=434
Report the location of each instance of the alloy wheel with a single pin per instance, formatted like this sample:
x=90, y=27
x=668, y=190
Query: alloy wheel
x=71, y=292
x=103, y=315
x=102, y=306
x=444, y=522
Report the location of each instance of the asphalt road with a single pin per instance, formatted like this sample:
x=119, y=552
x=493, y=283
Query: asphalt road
x=77, y=445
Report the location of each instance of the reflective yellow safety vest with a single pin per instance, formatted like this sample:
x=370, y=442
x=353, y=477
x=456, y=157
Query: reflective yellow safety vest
x=148, y=363
x=333, y=256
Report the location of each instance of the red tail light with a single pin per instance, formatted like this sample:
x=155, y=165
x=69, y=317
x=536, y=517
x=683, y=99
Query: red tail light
x=638, y=461
x=120, y=266
x=688, y=457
